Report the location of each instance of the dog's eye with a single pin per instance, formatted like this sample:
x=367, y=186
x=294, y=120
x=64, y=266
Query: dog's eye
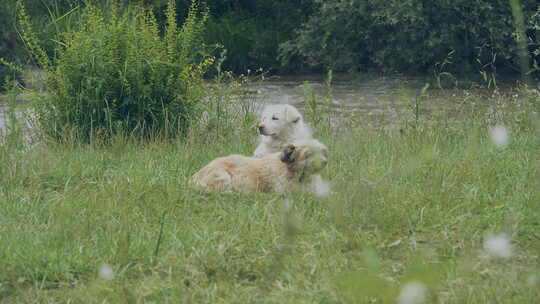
x=274, y=118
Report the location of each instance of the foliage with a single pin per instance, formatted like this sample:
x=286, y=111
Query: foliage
x=411, y=35
x=248, y=41
x=49, y=19
x=116, y=73
x=534, y=26
x=290, y=36
x=8, y=39
x=250, y=31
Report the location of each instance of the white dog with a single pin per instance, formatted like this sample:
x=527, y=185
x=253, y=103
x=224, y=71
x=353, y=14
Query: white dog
x=296, y=163
x=280, y=125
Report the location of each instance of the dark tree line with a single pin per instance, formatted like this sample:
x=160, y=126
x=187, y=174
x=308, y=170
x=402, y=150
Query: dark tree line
x=290, y=36
x=413, y=35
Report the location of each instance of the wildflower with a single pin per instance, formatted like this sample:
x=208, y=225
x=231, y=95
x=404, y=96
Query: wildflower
x=499, y=136
x=221, y=247
x=320, y=187
x=498, y=245
x=106, y=272
x=412, y=293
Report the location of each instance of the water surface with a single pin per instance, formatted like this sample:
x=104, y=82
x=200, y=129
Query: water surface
x=379, y=98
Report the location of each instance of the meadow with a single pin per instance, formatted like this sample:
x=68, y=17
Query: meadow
x=439, y=209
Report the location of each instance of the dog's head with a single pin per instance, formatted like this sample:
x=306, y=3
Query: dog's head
x=279, y=119
x=305, y=158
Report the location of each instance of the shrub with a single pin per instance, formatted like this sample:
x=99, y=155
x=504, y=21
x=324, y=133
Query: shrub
x=8, y=45
x=115, y=73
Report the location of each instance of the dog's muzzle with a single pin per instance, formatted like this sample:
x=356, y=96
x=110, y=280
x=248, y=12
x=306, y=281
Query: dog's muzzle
x=262, y=130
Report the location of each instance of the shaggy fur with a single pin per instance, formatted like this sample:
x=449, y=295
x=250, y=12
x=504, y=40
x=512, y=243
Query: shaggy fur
x=279, y=126
x=296, y=163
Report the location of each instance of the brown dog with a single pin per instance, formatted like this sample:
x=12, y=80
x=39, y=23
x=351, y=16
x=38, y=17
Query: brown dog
x=274, y=172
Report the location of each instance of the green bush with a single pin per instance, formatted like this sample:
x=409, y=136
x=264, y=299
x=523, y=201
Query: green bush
x=115, y=73
x=8, y=40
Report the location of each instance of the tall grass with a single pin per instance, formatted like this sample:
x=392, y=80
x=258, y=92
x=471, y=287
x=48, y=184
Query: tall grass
x=409, y=212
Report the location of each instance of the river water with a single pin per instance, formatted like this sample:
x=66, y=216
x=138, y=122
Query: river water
x=378, y=98
x=381, y=99
x=362, y=94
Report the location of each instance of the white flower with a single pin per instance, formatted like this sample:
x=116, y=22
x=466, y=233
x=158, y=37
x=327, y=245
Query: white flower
x=412, y=293
x=498, y=245
x=499, y=136
x=106, y=272
x=320, y=187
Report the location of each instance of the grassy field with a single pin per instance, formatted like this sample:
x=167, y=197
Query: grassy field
x=411, y=216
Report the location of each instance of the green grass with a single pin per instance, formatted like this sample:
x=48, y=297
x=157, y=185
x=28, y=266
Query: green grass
x=406, y=206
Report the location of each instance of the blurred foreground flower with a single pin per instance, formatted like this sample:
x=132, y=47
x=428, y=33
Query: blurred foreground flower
x=498, y=245
x=106, y=272
x=499, y=136
x=412, y=293
x=320, y=187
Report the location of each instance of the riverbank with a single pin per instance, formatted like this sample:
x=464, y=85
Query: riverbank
x=382, y=101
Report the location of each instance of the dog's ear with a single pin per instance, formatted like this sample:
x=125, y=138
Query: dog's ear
x=287, y=155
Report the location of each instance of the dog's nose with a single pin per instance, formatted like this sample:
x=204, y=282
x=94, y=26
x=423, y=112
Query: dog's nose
x=261, y=128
